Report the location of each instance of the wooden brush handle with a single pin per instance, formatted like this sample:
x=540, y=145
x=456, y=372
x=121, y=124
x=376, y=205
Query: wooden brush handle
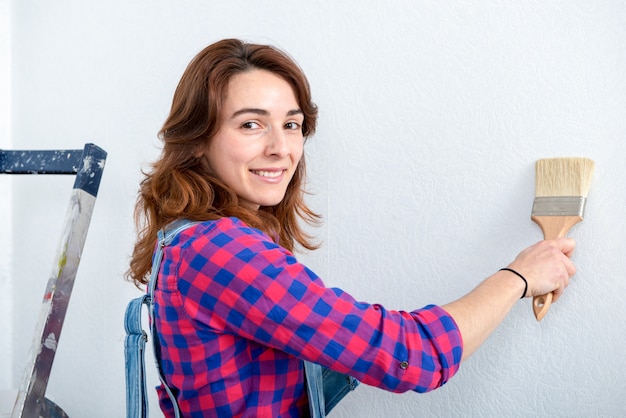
x=552, y=227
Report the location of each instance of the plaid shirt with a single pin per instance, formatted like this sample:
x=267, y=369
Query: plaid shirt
x=236, y=313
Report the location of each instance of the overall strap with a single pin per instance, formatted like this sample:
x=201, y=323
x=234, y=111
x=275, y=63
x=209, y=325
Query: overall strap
x=136, y=337
x=315, y=389
x=134, y=349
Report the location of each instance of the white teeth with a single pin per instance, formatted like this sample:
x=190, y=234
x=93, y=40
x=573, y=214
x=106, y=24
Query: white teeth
x=268, y=174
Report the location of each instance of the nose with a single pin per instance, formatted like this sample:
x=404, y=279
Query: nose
x=277, y=144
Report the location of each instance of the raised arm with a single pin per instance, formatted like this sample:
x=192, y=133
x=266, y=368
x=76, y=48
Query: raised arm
x=546, y=266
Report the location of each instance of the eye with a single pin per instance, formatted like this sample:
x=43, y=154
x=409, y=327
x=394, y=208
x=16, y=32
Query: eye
x=293, y=126
x=250, y=125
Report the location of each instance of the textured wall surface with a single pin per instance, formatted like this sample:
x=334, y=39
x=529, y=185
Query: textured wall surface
x=6, y=284
x=432, y=115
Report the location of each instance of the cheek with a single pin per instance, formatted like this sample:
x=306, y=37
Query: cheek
x=297, y=151
x=221, y=159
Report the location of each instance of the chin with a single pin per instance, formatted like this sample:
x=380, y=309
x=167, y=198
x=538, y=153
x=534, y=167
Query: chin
x=270, y=205
x=271, y=202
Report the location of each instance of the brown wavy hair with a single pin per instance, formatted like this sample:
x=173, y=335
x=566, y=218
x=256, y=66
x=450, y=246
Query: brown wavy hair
x=181, y=184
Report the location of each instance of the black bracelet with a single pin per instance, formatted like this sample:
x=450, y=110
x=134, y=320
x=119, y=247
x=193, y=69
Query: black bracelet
x=521, y=277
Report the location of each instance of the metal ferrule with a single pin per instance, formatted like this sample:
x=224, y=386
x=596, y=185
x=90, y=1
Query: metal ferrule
x=559, y=206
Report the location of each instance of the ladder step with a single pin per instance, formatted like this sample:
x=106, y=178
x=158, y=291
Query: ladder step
x=40, y=162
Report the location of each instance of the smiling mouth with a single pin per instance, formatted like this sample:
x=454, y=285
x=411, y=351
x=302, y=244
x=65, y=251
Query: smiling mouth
x=268, y=174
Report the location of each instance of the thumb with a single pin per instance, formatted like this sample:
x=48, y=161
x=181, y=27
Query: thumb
x=565, y=245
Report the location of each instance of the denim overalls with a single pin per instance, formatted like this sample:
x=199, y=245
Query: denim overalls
x=325, y=388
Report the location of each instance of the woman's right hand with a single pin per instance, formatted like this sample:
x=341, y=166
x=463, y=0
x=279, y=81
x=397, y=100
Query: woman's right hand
x=546, y=266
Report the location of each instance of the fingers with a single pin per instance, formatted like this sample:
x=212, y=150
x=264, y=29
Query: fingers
x=561, y=287
x=567, y=246
x=556, y=294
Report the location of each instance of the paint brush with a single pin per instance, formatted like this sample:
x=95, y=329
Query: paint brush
x=561, y=188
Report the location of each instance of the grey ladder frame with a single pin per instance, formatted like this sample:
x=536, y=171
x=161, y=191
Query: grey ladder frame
x=87, y=165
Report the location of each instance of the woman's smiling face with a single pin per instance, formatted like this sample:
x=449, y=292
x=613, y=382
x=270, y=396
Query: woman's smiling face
x=260, y=142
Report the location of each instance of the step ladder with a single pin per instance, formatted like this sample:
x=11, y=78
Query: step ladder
x=87, y=165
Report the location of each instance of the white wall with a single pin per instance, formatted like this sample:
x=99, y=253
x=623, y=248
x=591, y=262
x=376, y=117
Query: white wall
x=432, y=116
x=6, y=284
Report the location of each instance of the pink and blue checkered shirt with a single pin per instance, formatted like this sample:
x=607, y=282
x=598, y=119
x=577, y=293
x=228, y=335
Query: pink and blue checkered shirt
x=236, y=313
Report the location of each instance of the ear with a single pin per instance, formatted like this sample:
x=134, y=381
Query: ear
x=201, y=149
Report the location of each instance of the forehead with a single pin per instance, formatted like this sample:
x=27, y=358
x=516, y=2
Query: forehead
x=259, y=87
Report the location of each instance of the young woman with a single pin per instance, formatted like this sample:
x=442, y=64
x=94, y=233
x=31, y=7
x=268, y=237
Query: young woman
x=236, y=313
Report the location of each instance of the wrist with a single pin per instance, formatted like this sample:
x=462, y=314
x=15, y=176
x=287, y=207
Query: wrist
x=523, y=279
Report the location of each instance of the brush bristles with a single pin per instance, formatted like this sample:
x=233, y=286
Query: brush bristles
x=564, y=177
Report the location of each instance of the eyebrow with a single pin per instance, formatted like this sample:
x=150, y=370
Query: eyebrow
x=263, y=112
